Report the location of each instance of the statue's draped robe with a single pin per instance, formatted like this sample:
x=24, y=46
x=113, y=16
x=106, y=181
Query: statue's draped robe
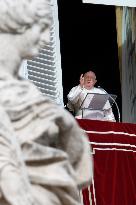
x=42, y=149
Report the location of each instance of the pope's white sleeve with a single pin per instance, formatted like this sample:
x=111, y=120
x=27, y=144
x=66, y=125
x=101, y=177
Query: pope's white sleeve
x=74, y=94
x=109, y=115
x=108, y=112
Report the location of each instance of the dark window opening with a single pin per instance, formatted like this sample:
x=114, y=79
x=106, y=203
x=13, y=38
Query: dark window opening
x=88, y=41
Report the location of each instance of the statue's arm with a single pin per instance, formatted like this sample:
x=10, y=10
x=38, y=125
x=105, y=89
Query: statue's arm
x=14, y=184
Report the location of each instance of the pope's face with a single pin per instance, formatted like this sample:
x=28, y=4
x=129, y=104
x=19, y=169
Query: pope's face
x=89, y=80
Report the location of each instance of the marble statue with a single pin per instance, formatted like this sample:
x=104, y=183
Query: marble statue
x=44, y=156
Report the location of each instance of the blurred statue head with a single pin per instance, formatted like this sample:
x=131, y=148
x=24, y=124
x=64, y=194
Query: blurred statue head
x=24, y=26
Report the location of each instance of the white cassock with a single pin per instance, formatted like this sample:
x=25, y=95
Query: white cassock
x=76, y=97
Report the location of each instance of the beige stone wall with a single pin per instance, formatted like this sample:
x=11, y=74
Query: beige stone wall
x=119, y=14
x=129, y=65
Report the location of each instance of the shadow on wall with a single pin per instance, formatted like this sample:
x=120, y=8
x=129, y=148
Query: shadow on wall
x=128, y=82
x=129, y=65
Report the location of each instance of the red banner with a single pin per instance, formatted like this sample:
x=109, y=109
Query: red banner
x=114, y=153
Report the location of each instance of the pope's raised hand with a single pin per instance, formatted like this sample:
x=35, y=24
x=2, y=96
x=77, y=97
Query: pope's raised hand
x=82, y=80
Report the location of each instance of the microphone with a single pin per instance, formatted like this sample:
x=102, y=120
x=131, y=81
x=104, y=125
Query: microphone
x=112, y=100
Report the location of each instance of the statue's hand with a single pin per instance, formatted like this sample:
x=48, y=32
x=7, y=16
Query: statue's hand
x=14, y=188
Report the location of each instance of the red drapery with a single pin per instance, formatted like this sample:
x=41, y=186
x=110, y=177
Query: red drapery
x=114, y=153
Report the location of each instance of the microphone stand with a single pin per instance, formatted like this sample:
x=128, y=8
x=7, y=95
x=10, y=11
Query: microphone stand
x=113, y=101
